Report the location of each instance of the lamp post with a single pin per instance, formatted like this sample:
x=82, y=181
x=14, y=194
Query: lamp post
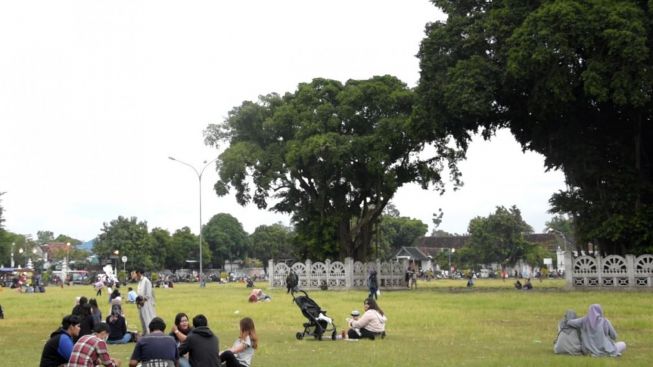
x=450, y=272
x=115, y=263
x=564, y=238
x=64, y=271
x=560, y=259
x=20, y=251
x=199, y=179
x=12, y=254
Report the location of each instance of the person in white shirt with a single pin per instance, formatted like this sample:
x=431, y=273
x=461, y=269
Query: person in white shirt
x=131, y=295
x=371, y=324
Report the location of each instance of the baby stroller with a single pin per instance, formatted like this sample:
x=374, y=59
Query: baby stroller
x=318, y=322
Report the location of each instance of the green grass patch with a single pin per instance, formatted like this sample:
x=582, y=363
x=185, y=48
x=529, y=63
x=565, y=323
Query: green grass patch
x=441, y=323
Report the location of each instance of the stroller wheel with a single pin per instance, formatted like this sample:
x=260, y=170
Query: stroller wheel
x=334, y=335
x=299, y=336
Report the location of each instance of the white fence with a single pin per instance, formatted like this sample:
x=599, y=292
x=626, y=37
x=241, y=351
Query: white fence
x=609, y=272
x=338, y=275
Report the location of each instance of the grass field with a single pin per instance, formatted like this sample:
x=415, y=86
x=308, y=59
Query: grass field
x=439, y=324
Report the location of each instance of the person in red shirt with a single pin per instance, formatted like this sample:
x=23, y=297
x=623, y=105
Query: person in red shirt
x=91, y=350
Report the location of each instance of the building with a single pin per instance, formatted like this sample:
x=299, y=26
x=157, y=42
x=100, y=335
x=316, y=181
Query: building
x=416, y=256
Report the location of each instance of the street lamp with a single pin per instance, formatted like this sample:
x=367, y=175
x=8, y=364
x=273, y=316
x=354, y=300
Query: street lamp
x=12, y=254
x=64, y=270
x=199, y=179
x=20, y=251
x=564, y=238
x=115, y=263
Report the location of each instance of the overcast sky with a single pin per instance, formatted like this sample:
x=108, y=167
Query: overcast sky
x=95, y=95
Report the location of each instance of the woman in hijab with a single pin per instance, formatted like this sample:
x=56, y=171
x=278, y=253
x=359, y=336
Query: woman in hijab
x=568, y=339
x=597, y=335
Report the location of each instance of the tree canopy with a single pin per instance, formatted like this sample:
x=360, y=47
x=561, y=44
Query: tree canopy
x=330, y=154
x=131, y=237
x=272, y=242
x=572, y=80
x=498, y=238
x=226, y=239
x=395, y=232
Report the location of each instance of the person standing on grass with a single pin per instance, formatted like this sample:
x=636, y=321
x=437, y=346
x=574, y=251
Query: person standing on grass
x=201, y=344
x=156, y=348
x=98, y=287
x=146, y=308
x=91, y=350
x=597, y=335
x=372, y=284
x=242, y=351
x=58, y=348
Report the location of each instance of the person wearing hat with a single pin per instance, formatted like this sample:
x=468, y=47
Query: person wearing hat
x=355, y=315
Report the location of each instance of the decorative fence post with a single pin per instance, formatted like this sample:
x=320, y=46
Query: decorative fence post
x=309, y=276
x=349, y=272
x=271, y=273
x=630, y=268
x=327, y=264
x=569, y=269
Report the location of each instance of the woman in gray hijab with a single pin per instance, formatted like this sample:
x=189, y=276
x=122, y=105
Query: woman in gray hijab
x=598, y=337
x=568, y=339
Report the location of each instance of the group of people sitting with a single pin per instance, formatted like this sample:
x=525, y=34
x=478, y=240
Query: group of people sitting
x=592, y=335
x=83, y=337
x=527, y=286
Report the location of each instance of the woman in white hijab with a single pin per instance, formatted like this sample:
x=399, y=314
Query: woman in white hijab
x=597, y=335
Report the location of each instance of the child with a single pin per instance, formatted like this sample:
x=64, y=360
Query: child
x=242, y=351
x=355, y=315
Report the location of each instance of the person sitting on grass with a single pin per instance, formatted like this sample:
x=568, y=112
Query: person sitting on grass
x=118, y=326
x=598, y=337
x=91, y=350
x=371, y=324
x=242, y=351
x=518, y=284
x=155, y=348
x=568, y=339
x=131, y=295
x=528, y=285
x=202, y=345
x=180, y=331
x=57, y=349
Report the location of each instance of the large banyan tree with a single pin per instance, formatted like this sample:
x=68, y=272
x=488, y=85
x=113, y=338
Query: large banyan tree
x=330, y=154
x=572, y=80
